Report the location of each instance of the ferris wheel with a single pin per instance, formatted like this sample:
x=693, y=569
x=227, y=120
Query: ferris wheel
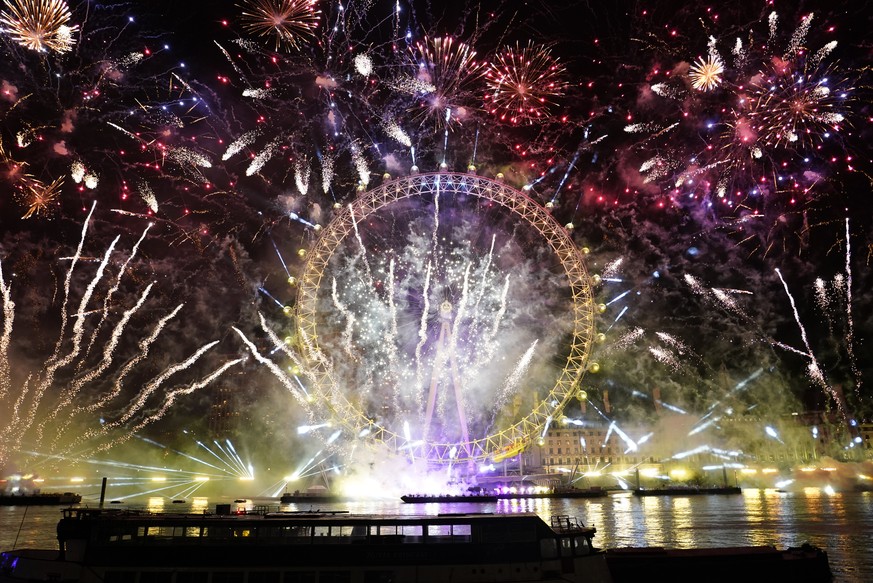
x=445, y=316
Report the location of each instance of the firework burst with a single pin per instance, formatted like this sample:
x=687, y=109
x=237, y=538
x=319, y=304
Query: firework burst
x=706, y=74
x=523, y=83
x=40, y=199
x=39, y=25
x=288, y=22
x=796, y=106
x=446, y=74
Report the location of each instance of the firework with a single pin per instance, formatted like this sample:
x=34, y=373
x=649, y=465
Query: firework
x=40, y=199
x=523, y=83
x=446, y=74
x=793, y=106
x=42, y=407
x=288, y=22
x=706, y=74
x=39, y=25
x=765, y=140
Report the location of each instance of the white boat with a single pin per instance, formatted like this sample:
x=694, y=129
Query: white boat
x=120, y=546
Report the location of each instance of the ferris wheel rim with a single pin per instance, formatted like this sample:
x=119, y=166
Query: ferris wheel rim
x=509, y=440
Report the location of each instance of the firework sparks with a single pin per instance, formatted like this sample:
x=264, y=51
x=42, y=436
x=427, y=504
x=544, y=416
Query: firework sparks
x=39, y=198
x=706, y=74
x=446, y=73
x=791, y=107
x=523, y=83
x=32, y=407
x=288, y=22
x=39, y=25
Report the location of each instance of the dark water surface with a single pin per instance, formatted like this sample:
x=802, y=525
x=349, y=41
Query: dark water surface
x=840, y=523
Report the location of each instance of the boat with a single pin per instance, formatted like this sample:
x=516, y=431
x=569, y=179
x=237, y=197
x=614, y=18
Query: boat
x=687, y=491
x=40, y=499
x=122, y=546
x=308, y=497
x=761, y=564
x=474, y=498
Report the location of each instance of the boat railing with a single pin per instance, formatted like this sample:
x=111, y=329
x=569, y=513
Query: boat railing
x=566, y=523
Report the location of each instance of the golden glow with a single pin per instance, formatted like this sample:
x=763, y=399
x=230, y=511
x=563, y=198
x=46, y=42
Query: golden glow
x=748, y=471
x=246, y=478
x=159, y=479
x=649, y=472
x=769, y=471
x=706, y=73
x=679, y=473
x=77, y=480
x=201, y=478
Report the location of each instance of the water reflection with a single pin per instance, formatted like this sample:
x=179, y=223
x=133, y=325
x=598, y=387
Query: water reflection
x=683, y=522
x=653, y=519
x=155, y=504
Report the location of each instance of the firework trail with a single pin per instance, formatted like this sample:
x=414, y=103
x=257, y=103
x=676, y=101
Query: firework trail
x=36, y=401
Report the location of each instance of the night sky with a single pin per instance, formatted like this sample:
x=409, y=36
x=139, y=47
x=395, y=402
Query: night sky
x=710, y=213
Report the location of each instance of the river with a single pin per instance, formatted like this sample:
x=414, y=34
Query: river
x=840, y=523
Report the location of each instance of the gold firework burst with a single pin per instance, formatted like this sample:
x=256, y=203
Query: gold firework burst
x=40, y=198
x=706, y=73
x=39, y=25
x=288, y=22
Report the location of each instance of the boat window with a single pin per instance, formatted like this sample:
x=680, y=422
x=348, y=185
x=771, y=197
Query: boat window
x=509, y=533
x=449, y=532
x=273, y=531
x=228, y=577
x=217, y=531
x=416, y=530
x=262, y=577
x=159, y=531
x=461, y=532
x=192, y=576
x=192, y=531
x=438, y=530
x=299, y=577
x=583, y=545
x=322, y=531
x=566, y=547
x=548, y=548
x=120, y=536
